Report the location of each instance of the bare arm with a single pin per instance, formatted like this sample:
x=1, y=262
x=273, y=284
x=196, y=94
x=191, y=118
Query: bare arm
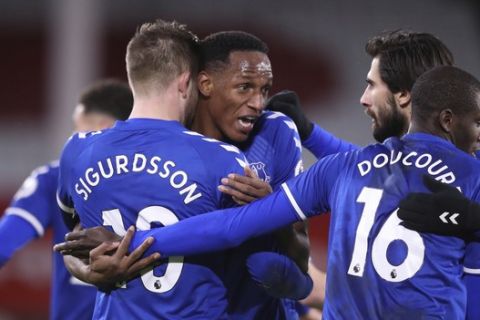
x=317, y=296
x=108, y=263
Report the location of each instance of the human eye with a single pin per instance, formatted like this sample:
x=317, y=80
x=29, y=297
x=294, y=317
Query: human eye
x=243, y=87
x=266, y=90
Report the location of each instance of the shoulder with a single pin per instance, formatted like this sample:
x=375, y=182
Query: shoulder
x=79, y=142
x=214, y=151
x=278, y=121
x=43, y=178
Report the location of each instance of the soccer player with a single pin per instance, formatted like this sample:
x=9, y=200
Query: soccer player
x=34, y=209
x=398, y=59
x=233, y=84
x=376, y=267
x=150, y=171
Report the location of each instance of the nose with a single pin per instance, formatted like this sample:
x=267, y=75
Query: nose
x=257, y=102
x=364, y=99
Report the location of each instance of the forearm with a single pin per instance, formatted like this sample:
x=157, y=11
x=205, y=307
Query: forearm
x=220, y=229
x=15, y=232
x=77, y=268
x=317, y=297
x=322, y=143
x=295, y=244
x=279, y=275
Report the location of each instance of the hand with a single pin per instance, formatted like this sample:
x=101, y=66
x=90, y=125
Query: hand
x=446, y=211
x=288, y=103
x=245, y=189
x=105, y=269
x=80, y=241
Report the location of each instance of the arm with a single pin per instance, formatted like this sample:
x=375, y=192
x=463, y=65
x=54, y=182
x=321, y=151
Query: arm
x=322, y=143
x=221, y=229
x=317, y=296
x=297, y=199
x=109, y=263
x=29, y=213
x=15, y=232
x=319, y=141
x=279, y=275
x=292, y=239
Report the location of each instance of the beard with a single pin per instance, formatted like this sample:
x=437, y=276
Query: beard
x=393, y=122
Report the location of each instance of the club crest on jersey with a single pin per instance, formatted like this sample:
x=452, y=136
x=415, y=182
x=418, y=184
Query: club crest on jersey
x=259, y=169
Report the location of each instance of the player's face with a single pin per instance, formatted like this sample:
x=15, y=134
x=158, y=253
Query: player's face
x=91, y=121
x=388, y=120
x=466, y=131
x=239, y=94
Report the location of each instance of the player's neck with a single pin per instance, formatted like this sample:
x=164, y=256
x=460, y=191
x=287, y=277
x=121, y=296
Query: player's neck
x=162, y=107
x=414, y=128
x=203, y=123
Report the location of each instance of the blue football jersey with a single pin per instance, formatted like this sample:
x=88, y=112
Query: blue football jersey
x=35, y=204
x=151, y=173
x=377, y=269
x=472, y=258
x=274, y=153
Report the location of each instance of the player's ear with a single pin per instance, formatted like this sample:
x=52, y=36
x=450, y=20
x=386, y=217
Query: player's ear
x=402, y=98
x=446, y=120
x=205, y=83
x=183, y=83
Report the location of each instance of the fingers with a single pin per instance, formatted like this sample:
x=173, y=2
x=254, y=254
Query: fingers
x=141, y=264
x=238, y=196
x=284, y=96
x=246, y=184
x=420, y=202
x=140, y=250
x=75, y=235
x=69, y=246
x=249, y=172
x=123, y=247
x=413, y=226
x=238, y=201
x=103, y=248
x=434, y=185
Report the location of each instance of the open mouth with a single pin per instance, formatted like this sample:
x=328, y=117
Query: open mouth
x=247, y=122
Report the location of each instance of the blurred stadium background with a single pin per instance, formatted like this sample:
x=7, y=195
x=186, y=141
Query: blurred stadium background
x=51, y=49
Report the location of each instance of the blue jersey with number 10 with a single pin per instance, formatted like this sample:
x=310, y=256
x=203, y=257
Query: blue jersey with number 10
x=150, y=173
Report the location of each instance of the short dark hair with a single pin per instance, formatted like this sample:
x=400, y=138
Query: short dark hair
x=216, y=48
x=110, y=96
x=161, y=51
x=405, y=55
x=444, y=87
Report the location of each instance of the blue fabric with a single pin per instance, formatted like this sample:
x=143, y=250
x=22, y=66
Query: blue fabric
x=394, y=270
x=32, y=211
x=473, y=306
x=274, y=153
x=15, y=233
x=322, y=143
x=279, y=275
x=150, y=173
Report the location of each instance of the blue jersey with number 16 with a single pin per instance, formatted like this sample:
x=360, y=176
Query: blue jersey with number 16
x=377, y=269
x=152, y=173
